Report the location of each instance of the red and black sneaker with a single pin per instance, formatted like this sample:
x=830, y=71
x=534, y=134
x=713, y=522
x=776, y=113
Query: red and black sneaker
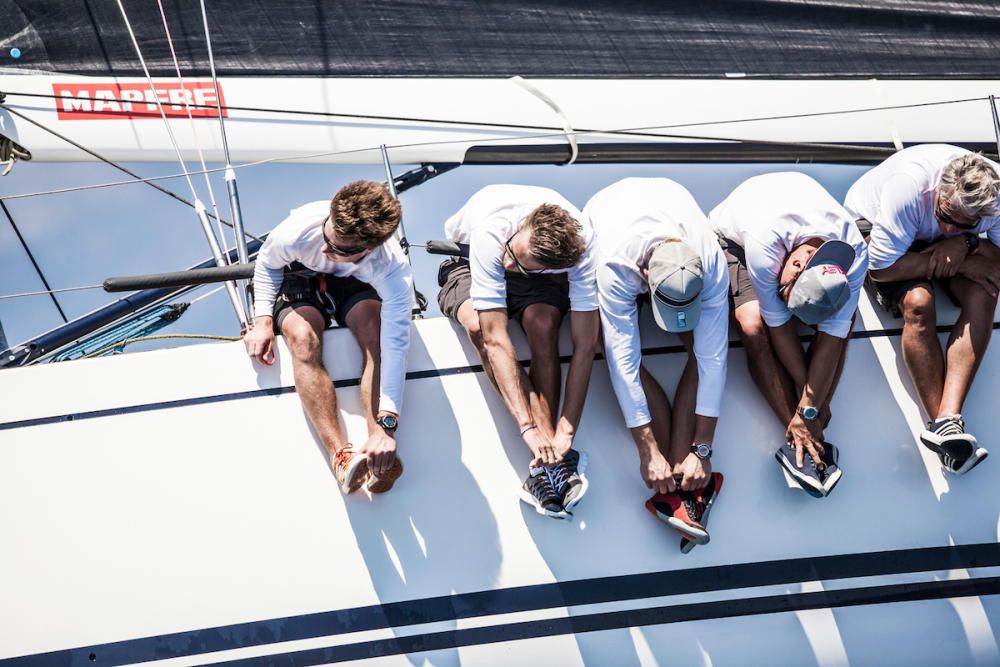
x=706, y=497
x=680, y=511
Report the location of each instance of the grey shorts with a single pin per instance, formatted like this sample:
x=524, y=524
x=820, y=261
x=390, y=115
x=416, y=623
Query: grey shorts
x=890, y=294
x=455, y=281
x=332, y=296
x=741, y=290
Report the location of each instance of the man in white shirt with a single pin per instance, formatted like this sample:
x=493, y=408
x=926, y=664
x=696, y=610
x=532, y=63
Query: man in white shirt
x=927, y=207
x=655, y=245
x=794, y=255
x=530, y=259
x=336, y=260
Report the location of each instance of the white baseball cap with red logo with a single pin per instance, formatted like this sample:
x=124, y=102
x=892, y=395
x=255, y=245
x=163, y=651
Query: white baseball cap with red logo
x=822, y=288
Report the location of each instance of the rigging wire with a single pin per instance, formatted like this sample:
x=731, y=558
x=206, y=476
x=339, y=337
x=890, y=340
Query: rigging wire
x=478, y=140
x=48, y=291
x=194, y=131
x=199, y=206
x=38, y=269
x=139, y=179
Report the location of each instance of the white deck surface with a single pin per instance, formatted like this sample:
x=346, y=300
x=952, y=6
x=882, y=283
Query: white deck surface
x=177, y=519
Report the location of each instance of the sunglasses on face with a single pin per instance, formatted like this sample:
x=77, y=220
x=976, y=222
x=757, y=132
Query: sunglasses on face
x=945, y=219
x=517, y=263
x=338, y=250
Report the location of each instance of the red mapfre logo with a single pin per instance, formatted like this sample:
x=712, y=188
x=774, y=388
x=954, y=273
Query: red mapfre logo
x=111, y=101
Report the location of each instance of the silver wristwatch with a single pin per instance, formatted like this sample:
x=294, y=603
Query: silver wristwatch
x=702, y=450
x=807, y=412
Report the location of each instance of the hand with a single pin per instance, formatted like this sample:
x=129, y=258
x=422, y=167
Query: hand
x=947, y=256
x=381, y=450
x=807, y=436
x=696, y=472
x=656, y=473
x=259, y=341
x=983, y=272
x=542, y=448
x=562, y=442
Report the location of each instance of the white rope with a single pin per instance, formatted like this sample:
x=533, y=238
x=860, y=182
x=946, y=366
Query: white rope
x=567, y=126
x=194, y=132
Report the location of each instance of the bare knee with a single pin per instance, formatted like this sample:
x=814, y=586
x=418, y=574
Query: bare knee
x=541, y=326
x=303, y=342
x=751, y=327
x=918, y=308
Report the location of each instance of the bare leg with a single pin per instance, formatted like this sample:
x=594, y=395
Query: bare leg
x=825, y=413
x=921, y=348
x=685, y=400
x=541, y=322
x=767, y=372
x=469, y=318
x=967, y=345
x=303, y=332
x=659, y=410
x=365, y=322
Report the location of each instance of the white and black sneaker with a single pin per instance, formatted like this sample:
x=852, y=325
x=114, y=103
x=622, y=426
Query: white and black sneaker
x=568, y=479
x=539, y=492
x=958, y=451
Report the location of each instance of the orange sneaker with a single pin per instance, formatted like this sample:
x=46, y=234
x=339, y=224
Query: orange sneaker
x=384, y=482
x=349, y=468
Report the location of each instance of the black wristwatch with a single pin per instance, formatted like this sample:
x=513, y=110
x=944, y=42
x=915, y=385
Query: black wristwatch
x=389, y=422
x=971, y=243
x=702, y=450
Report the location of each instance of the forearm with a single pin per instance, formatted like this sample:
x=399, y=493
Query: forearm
x=988, y=251
x=507, y=374
x=645, y=441
x=909, y=266
x=822, y=370
x=788, y=349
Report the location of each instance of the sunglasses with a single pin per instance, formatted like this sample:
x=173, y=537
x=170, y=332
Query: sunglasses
x=517, y=263
x=945, y=219
x=338, y=250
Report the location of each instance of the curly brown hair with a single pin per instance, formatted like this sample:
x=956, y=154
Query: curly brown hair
x=556, y=237
x=365, y=211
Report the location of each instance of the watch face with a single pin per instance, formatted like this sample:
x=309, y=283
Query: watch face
x=810, y=412
x=388, y=422
x=703, y=451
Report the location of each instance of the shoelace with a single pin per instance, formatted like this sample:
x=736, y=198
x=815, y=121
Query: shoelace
x=559, y=475
x=954, y=426
x=693, y=507
x=541, y=485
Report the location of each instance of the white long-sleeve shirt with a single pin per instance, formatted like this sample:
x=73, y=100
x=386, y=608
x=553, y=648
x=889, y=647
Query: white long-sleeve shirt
x=490, y=218
x=770, y=215
x=897, y=197
x=299, y=237
x=630, y=217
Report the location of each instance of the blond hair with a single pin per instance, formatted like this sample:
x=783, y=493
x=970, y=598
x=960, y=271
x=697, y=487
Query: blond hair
x=556, y=237
x=971, y=184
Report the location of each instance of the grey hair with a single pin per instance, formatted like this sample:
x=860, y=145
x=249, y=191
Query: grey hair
x=971, y=184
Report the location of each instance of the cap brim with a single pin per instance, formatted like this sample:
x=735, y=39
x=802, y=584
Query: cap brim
x=676, y=320
x=834, y=252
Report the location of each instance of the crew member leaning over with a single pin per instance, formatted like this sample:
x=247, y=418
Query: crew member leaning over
x=531, y=260
x=337, y=260
x=927, y=207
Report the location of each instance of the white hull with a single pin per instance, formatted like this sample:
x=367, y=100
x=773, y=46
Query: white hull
x=149, y=498
x=610, y=104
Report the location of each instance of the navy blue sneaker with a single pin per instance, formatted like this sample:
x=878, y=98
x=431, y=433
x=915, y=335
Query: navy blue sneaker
x=808, y=476
x=568, y=479
x=832, y=473
x=539, y=492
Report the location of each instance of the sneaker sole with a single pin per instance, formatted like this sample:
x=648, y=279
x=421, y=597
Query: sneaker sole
x=696, y=535
x=936, y=444
x=978, y=456
x=374, y=481
x=357, y=472
x=831, y=482
x=580, y=489
x=526, y=497
x=805, y=483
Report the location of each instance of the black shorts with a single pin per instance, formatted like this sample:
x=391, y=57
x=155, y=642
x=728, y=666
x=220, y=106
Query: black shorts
x=741, y=289
x=332, y=296
x=455, y=281
x=890, y=294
